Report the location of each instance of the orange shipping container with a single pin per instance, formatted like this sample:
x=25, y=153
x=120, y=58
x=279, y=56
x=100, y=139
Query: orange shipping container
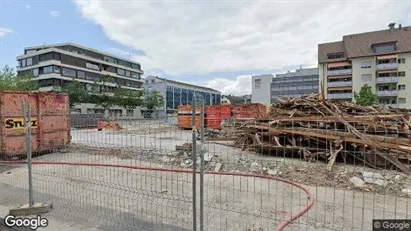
x=187, y=109
x=184, y=121
x=50, y=120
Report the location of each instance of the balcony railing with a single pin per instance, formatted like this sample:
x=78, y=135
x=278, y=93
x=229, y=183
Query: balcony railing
x=387, y=79
x=387, y=66
x=388, y=93
x=340, y=72
x=340, y=96
x=340, y=84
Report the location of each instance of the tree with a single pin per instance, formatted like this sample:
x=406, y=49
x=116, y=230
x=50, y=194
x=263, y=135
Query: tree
x=10, y=81
x=76, y=92
x=365, y=97
x=103, y=98
x=152, y=100
x=128, y=99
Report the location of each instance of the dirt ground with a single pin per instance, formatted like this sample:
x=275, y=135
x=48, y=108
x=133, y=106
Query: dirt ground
x=101, y=198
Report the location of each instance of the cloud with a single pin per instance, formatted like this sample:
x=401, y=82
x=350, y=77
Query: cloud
x=5, y=31
x=183, y=38
x=55, y=13
x=240, y=86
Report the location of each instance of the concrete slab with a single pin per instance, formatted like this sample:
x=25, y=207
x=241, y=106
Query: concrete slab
x=37, y=208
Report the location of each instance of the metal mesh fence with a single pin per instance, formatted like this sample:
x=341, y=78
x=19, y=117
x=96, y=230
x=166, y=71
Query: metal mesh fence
x=260, y=174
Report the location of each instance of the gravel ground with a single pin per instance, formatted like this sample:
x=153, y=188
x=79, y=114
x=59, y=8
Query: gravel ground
x=102, y=198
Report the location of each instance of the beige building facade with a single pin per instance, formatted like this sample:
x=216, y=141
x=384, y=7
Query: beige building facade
x=381, y=59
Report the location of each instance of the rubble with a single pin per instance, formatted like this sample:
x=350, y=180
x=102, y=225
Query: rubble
x=407, y=191
x=255, y=167
x=374, y=178
x=273, y=172
x=218, y=167
x=314, y=128
x=357, y=182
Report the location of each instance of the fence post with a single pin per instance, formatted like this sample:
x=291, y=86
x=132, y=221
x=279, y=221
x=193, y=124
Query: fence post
x=202, y=167
x=194, y=160
x=31, y=208
x=27, y=123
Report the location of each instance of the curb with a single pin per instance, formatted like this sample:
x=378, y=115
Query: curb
x=4, y=227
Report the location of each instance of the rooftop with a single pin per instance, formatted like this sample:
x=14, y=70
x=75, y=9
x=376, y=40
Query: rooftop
x=299, y=72
x=78, y=46
x=182, y=83
x=359, y=45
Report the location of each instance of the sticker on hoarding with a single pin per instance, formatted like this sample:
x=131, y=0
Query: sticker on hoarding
x=18, y=123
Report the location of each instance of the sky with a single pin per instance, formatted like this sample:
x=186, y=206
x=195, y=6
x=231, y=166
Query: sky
x=218, y=44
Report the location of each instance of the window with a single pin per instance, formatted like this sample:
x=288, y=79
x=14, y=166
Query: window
x=35, y=72
x=57, y=56
x=121, y=82
x=383, y=47
x=401, y=60
x=70, y=60
x=46, y=70
x=401, y=87
x=49, y=56
x=92, y=66
x=123, y=63
x=120, y=72
x=152, y=81
x=401, y=100
x=23, y=62
x=135, y=75
x=401, y=73
x=135, y=66
x=366, y=77
x=257, y=83
x=128, y=74
x=81, y=74
x=109, y=59
x=366, y=64
x=69, y=72
x=56, y=69
x=92, y=77
x=335, y=55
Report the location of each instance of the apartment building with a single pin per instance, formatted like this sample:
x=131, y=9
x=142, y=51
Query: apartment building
x=302, y=82
x=260, y=88
x=381, y=59
x=178, y=93
x=54, y=66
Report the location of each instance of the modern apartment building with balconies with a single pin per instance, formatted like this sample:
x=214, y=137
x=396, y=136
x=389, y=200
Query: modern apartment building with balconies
x=54, y=66
x=381, y=59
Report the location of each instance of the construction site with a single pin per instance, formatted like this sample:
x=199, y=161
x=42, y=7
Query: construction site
x=302, y=164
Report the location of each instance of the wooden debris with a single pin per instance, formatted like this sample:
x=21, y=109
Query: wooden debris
x=315, y=128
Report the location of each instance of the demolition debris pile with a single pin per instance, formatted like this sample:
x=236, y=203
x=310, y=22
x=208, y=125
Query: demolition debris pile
x=315, y=128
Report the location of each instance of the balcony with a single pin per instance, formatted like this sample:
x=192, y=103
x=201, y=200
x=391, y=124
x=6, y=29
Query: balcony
x=340, y=84
x=340, y=72
x=387, y=66
x=339, y=96
x=388, y=93
x=387, y=79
